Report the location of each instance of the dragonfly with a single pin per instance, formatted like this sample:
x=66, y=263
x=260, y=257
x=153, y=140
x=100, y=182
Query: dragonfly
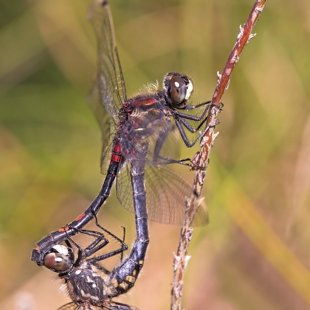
x=90, y=285
x=138, y=129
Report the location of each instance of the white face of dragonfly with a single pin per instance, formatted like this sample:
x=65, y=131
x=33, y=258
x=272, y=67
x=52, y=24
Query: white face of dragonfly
x=178, y=88
x=189, y=90
x=59, y=259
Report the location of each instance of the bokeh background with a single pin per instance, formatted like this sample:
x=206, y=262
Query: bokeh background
x=254, y=254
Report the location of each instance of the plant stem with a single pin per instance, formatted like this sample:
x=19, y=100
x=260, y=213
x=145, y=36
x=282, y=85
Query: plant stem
x=201, y=158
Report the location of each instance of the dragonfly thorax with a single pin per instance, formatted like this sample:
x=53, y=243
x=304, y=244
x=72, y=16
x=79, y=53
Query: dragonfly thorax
x=88, y=284
x=178, y=89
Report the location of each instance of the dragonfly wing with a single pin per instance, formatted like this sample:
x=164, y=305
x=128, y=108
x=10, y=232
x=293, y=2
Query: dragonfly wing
x=166, y=192
x=164, y=144
x=171, y=189
x=110, y=79
x=164, y=203
x=124, y=188
x=109, y=91
x=107, y=127
x=165, y=195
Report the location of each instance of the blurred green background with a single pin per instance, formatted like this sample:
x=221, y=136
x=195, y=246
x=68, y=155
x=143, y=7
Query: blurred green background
x=255, y=252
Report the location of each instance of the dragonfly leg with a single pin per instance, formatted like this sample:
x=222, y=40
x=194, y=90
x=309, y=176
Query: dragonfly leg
x=100, y=242
x=188, y=143
x=183, y=117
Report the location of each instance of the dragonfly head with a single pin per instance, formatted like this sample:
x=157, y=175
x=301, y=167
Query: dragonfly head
x=59, y=258
x=178, y=89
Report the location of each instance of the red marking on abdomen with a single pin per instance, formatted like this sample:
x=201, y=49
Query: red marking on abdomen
x=117, y=153
x=116, y=158
x=117, y=148
x=62, y=229
x=79, y=217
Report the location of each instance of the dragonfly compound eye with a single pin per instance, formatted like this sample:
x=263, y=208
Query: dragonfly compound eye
x=178, y=89
x=59, y=259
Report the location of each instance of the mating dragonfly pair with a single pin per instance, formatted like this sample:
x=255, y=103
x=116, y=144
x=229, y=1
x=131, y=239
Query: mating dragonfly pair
x=138, y=133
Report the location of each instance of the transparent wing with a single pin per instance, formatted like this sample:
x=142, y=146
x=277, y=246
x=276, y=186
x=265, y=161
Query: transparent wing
x=110, y=80
x=165, y=195
x=107, y=127
x=109, y=91
x=165, y=145
x=167, y=190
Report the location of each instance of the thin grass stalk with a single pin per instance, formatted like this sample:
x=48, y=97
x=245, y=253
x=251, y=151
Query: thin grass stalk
x=201, y=158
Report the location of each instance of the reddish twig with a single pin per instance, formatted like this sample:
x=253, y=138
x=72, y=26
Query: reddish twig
x=201, y=158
